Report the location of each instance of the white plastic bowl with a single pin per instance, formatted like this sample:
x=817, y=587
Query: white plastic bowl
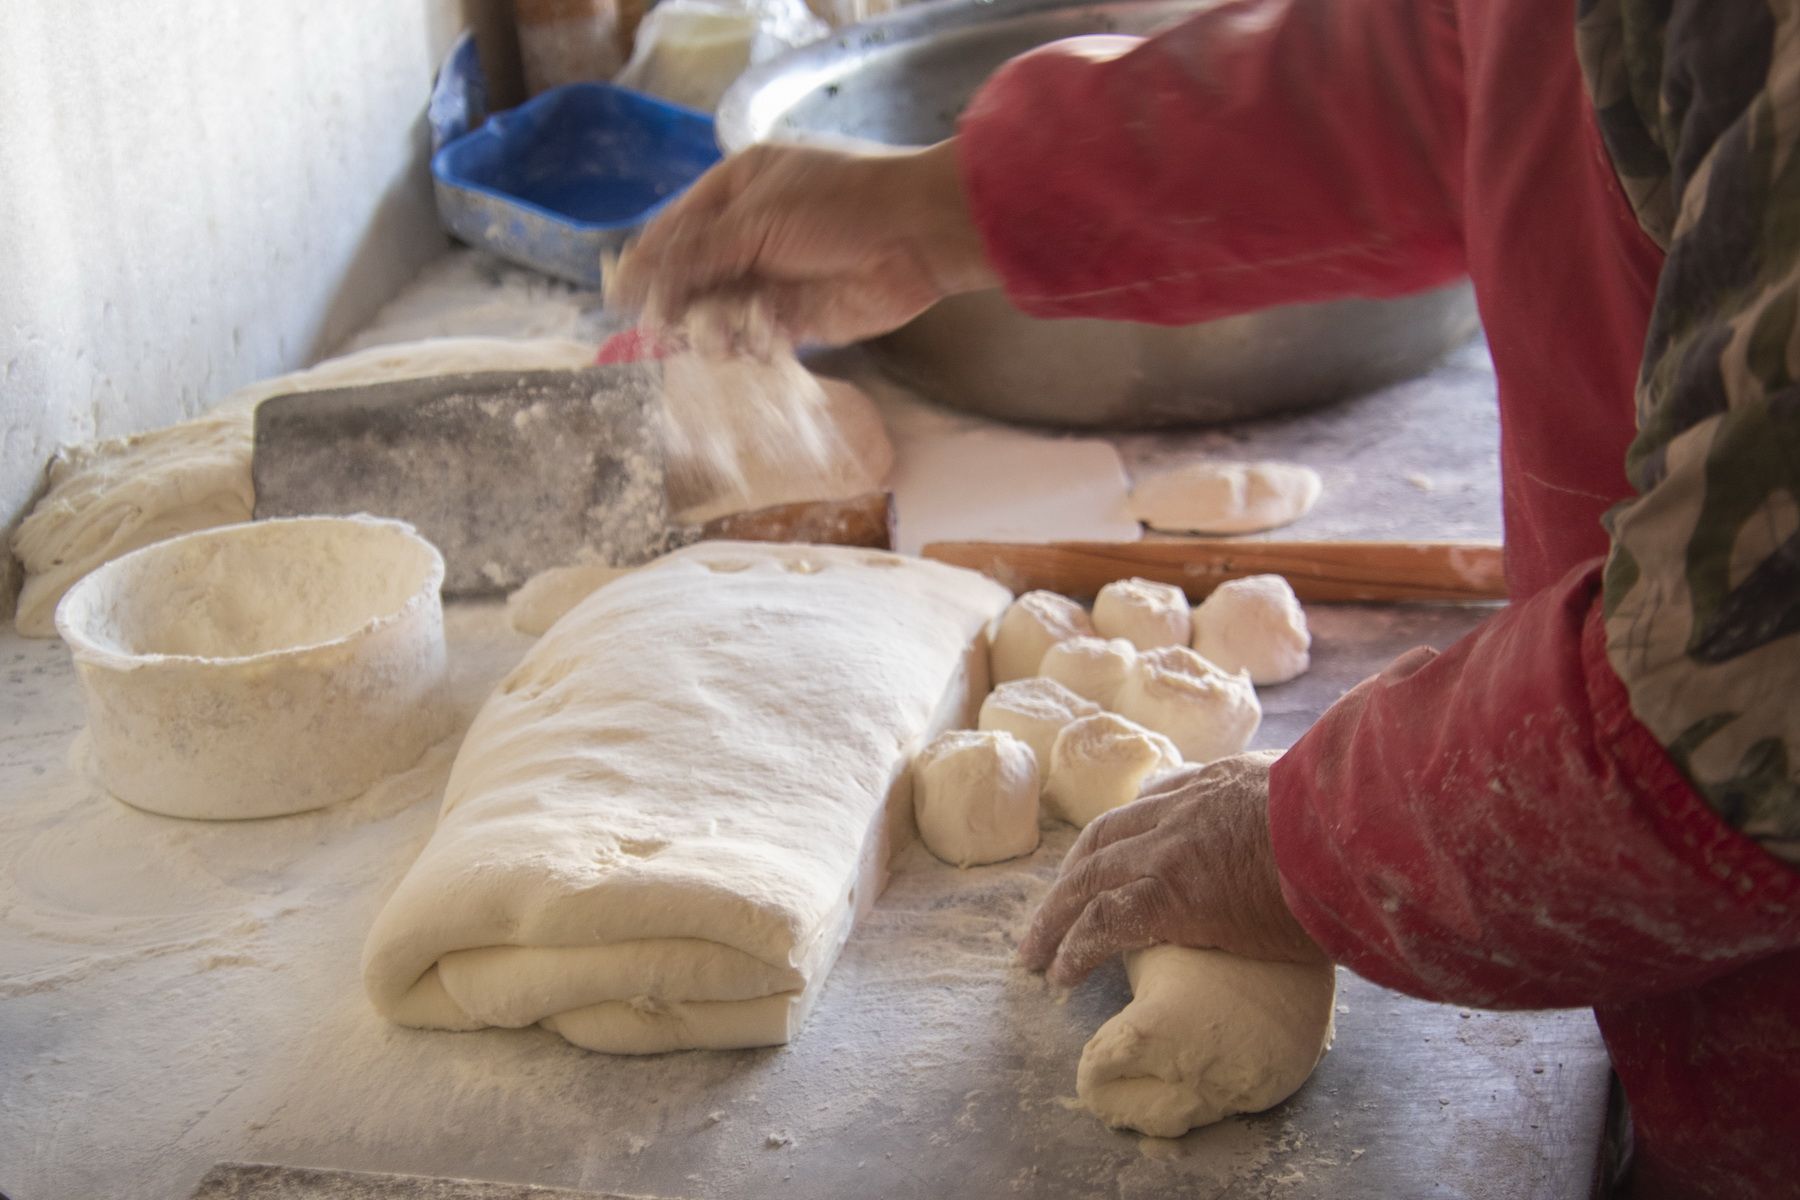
x=261, y=669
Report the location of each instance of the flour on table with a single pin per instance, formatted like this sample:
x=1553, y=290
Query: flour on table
x=1092, y=667
x=109, y=498
x=664, y=822
x=1101, y=762
x=1206, y=1035
x=1207, y=712
x=1143, y=612
x=1034, y=623
x=1034, y=711
x=975, y=794
x=1226, y=497
x=1254, y=624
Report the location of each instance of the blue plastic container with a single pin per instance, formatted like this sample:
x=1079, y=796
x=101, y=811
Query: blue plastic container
x=569, y=174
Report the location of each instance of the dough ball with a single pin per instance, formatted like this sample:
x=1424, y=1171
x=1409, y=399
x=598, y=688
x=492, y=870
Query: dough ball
x=1145, y=613
x=1035, y=622
x=1101, y=762
x=1207, y=712
x=1206, y=1035
x=1226, y=497
x=975, y=794
x=1091, y=667
x=1034, y=711
x=1255, y=625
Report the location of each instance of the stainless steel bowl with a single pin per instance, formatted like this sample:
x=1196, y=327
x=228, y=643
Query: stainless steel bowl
x=903, y=80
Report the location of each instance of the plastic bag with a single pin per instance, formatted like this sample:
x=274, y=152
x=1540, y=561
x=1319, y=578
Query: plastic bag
x=691, y=51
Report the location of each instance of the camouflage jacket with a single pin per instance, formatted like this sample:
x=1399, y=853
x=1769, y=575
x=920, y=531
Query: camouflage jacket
x=1699, y=106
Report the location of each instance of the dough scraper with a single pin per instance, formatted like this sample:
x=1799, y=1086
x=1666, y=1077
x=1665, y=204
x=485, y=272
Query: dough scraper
x=510, y=473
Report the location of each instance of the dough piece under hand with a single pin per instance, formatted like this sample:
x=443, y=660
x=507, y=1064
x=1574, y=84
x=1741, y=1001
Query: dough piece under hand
x=1254, y=624
x=975, y=794
x=1143, y=612
x=1207, y=712
x=1102, y=762
x=1226, y=497
x=1035, y=622
x=1206, y=1035
x=1034, y=711
x=1092, y=667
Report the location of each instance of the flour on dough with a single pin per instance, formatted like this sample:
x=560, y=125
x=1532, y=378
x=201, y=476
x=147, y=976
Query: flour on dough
x=1034, y=623
x=109, y=498
x=1254, y=624
x=1226, y=497
x=1143, y=612
x=1034, y=711
x=1206, y=1035
x=1207, y=712
x=975, y=795
x=1091, y=667
x=1102, y=762
x=664, y=822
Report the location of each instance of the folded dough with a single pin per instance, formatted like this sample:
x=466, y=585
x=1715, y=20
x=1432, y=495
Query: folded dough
x=664, y=822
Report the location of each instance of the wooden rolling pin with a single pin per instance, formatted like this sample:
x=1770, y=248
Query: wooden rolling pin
x=1366, y=571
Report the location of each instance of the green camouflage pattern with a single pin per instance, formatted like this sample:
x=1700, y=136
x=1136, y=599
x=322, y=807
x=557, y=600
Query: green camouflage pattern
x=1698, y=102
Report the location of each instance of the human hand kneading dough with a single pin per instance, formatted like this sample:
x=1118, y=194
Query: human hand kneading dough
x=1188, y=863
x=837, y=245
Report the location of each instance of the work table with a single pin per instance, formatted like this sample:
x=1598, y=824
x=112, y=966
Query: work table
x=174, y=994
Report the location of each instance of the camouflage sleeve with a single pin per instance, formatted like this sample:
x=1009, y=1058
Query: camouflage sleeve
x=1699, y=105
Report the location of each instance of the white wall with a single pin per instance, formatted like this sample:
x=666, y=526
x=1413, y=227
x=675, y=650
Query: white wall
x=195, y=194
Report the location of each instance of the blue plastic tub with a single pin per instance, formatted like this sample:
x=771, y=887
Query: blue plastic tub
x=568, y=174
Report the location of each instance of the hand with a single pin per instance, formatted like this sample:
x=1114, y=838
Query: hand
x=837, y=246
x=1188, y=863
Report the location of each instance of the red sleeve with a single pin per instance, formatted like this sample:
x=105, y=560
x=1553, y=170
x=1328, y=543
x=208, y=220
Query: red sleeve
x=1492, y=826
x=1263, y=152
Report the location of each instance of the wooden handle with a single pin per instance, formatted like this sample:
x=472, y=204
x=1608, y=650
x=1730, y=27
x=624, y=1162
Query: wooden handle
x=866, y=520
x=1368, y=571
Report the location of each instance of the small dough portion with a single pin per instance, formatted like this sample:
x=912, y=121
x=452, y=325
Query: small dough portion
x=1143, y=612
x=1226, y=497
x=1206, y=1035
x=1033, y=624
x=1254, y=624
x=1207, y=712
x=1102, y=762
x=1034, y=711
x=975, y=794
x=541, y=600
x=1091, y=667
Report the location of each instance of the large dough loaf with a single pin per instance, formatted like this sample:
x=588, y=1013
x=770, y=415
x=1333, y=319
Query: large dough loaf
x=662, y=824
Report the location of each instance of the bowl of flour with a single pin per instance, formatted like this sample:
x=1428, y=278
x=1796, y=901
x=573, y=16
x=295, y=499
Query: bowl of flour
x=260, y=669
